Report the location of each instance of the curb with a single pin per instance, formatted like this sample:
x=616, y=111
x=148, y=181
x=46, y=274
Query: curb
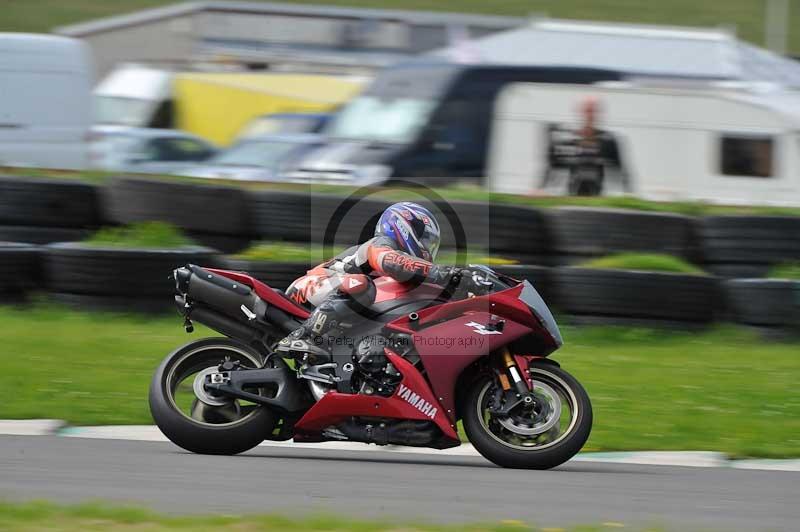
x=31, y=427
x=54, y=427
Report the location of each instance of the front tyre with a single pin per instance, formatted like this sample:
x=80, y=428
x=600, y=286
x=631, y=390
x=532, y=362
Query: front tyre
x=193, y=418
x=541, y=436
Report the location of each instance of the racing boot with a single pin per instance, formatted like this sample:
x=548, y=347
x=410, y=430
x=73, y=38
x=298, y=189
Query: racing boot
x=309, y=340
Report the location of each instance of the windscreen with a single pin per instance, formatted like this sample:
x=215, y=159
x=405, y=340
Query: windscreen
x=531, y=297
x=370, y=118
x=266, y=154
x=117, y=110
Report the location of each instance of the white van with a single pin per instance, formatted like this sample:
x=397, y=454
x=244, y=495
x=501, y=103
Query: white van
x=135, y=96
x=722, y=142
x=45, y=101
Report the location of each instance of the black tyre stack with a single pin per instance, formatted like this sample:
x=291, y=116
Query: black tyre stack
x=580, y=233
x=621, y=296
x=772, y=303
x=40, y=211
x=19, y=270
x=213, y=215
x=120, y=279
x=507, y=231
x=280, y=215
x=748, y=246
x=539, y=276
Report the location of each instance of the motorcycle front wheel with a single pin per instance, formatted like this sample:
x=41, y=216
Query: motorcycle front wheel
x=541, y=435
x=196, y=419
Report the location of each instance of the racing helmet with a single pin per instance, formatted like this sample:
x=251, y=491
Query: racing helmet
x=412, y=227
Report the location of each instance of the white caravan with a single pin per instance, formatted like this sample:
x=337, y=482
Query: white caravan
x=45, y=108
x=724, y=143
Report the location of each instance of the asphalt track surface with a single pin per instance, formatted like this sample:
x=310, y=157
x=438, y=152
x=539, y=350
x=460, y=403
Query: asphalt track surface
x=407, y=488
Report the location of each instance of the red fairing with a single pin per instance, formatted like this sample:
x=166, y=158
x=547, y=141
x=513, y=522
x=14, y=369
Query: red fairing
x=456, y=335
x=264, y=292
x=505, y=304
x=413, y=399
x=387, y=289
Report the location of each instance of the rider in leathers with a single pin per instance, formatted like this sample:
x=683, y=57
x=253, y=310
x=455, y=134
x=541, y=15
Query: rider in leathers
x=406, y=241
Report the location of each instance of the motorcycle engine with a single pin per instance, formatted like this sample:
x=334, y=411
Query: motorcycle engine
x=376, y=375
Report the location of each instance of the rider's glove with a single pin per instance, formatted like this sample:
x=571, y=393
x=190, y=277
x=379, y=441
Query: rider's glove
x=453, y=277
x=476, y=281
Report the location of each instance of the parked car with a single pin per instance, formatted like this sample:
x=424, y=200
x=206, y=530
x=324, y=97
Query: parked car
x=146, y=150
x=425, y=121
x=284, y=124
x=261, y=158
x=45, y=109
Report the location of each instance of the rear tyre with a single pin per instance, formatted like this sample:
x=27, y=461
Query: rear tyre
x=183, y=413
x=543, y=437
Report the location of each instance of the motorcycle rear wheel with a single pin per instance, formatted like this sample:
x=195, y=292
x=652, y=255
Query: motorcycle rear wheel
x=530, y=439
x=226, y=427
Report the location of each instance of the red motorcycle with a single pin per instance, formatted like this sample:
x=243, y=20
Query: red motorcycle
x=421, y=359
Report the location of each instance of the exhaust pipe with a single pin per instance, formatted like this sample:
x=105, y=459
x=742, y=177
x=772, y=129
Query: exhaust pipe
x=225, y=325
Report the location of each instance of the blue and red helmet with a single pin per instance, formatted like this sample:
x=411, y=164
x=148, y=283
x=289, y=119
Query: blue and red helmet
x=412, y=227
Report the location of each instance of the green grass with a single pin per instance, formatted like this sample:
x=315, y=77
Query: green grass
x=286, y=252
x=148, y=235
x=724, y=389
x=747, y=16
x=789, y=270
x=40, y=515
x=473, y=257
x=651, y=262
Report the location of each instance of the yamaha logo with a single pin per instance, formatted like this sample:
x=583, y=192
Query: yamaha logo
x=405, y=393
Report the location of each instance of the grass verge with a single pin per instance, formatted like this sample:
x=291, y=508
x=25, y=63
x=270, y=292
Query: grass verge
x=147, y=235
x=651, y=262
x=725, y=389
x=40, y=515
x=286, y=252
x=789, y=270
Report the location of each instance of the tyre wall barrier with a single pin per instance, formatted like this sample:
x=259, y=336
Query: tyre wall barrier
x=737, y=246
x=507, y=230
x=40, y=211
x=579, y=233
x=19, y=270
x=211, y=214
x=635, y=294
x=122, y=279
x=763, y=302
x=314, y=218
x=539, y=277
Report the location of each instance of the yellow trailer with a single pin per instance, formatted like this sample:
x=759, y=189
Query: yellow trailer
x=217, y=105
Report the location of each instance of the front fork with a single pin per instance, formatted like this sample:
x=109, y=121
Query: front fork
x=515, y=381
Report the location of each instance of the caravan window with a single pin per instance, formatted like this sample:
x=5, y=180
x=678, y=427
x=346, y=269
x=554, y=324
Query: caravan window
x=746, y=155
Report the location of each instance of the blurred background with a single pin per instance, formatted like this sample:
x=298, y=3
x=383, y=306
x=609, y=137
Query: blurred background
x=639, y=162
x=562, y=98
